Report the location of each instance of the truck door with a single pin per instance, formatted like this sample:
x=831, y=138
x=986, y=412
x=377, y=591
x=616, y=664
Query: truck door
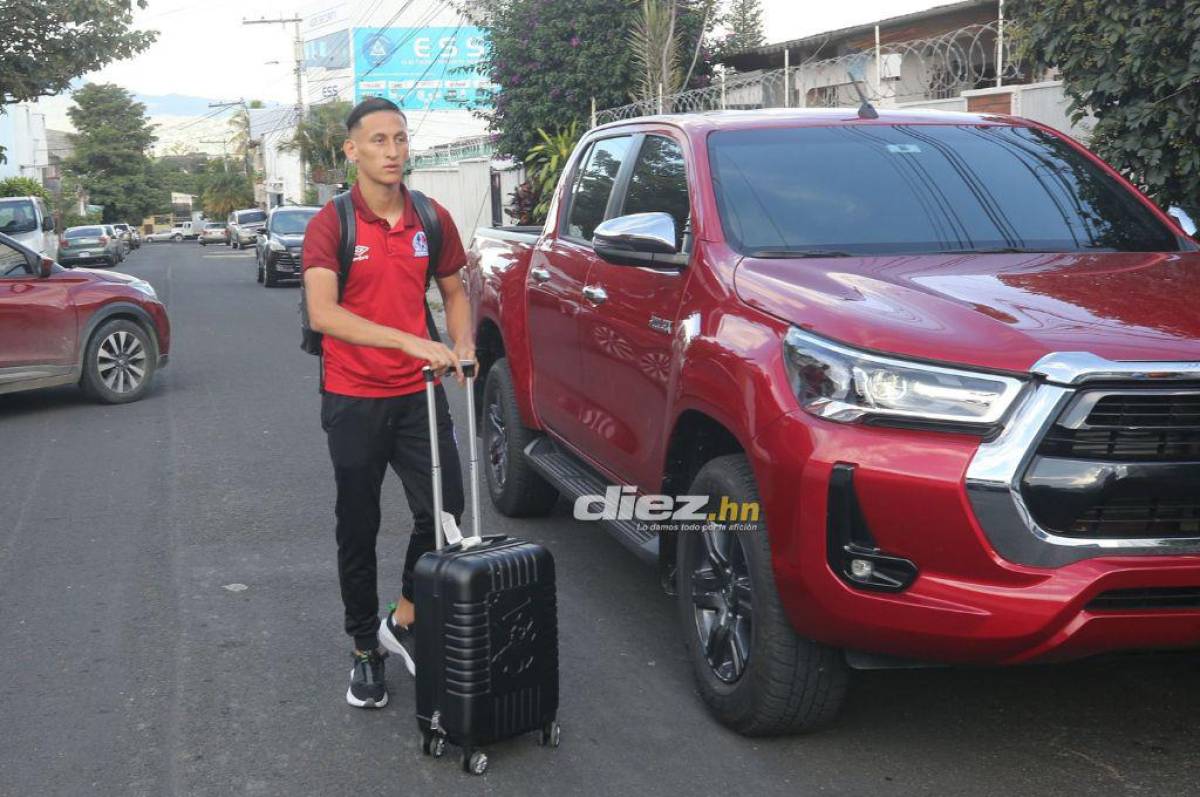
x=628, y=323
x=558, y=268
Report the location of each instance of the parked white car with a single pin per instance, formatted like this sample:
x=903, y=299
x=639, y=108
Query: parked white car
x=27, y=219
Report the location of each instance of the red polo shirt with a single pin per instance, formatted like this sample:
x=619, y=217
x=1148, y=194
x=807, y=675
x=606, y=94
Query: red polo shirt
x=387, y=286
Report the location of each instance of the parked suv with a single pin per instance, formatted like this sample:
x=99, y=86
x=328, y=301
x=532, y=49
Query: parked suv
x=277, y=250
x=130, y=234
x=92, y=243
x=27, y=219
x=937, y=374
x=244, y=226
x=103, y=330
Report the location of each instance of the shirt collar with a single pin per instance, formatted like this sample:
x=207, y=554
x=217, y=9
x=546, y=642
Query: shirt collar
x=408, y=219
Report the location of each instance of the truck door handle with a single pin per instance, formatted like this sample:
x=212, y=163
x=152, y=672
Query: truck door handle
x=539, y=274
x=595, y=294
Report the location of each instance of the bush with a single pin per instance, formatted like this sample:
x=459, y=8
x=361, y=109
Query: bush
x=1135, y=65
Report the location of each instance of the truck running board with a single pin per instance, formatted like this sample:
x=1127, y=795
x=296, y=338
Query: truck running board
x=574, y=479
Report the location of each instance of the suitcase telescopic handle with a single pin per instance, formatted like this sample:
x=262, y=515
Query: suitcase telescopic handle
x=468, y=369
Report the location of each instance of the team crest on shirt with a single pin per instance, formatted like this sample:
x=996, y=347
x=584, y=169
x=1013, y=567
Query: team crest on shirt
x=360, y=253
x=420, y=245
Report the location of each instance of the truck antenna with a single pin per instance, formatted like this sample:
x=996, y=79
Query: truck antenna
x=866, y=110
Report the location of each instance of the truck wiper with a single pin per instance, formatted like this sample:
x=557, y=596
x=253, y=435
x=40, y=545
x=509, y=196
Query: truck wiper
x=995, y=250
x=798, y=253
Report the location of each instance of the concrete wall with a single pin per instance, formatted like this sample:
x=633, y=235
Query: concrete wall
x=465, y=190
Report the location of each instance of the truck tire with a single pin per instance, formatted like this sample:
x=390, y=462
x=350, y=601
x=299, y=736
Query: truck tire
x=112, y=359
x=761, y=678
x=517, y=490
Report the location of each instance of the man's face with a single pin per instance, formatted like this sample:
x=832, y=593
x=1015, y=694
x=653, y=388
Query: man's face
x=379, y=145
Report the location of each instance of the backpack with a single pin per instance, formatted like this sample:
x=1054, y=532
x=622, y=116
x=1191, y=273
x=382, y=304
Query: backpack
x=310, y=341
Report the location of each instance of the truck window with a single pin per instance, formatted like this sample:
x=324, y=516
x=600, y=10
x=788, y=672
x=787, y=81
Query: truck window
x=594, y=185
x=659, y=183
x=908, y=189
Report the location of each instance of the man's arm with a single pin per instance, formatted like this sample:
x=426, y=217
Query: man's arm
x=458, y=316
x=328, y=317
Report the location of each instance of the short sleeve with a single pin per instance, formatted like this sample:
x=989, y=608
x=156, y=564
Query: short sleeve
x=452, y=257
x=321, y=240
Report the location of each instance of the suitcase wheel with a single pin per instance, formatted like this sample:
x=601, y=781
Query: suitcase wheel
x=551, y=734
x=433, y=744
x=476, y=763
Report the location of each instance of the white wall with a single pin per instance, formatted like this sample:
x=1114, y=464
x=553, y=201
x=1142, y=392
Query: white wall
x=465, y=191
x=23, y=136
x=273, y=127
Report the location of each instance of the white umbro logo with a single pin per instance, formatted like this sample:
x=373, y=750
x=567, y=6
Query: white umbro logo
x=360, y=253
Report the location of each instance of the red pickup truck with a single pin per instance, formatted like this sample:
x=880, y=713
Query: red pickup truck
x=942, y=369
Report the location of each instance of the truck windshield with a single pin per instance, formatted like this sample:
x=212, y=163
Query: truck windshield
x=17, y=216
x=292, y=222
x=907, y=189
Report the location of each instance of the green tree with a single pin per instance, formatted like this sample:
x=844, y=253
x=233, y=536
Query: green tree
x=1135, y=66
x=743, y=19
x=545, y=162
x=23, y=186
x=225, y=191
x=109, y=161
x=550, y=60
x=319, y=140
x=49, y=43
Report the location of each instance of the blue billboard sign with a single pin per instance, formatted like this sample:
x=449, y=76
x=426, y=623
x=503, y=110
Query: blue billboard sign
x=421, y=68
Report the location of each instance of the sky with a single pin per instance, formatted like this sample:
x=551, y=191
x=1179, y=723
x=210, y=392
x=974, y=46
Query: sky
x=204, y=50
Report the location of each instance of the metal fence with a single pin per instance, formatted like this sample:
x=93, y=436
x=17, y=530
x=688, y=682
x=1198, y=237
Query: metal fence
x=449, y=154
x=928, y=69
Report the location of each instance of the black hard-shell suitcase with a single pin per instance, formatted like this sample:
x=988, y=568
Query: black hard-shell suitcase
x=486, y=632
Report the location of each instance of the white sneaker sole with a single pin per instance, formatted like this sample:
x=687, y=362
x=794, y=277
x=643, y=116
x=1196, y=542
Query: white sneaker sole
x=354, y=701
x=389, y=641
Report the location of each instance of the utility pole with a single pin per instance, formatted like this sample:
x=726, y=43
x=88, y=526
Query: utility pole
x=246, y=110
x=298, y=54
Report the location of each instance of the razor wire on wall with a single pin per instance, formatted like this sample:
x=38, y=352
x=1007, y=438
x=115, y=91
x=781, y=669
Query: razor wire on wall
x=934, y=68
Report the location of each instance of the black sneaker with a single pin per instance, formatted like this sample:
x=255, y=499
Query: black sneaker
x=399, y=640
x=367, y=689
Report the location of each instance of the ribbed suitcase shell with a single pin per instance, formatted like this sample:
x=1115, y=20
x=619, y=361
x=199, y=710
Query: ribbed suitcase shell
x=486, y=640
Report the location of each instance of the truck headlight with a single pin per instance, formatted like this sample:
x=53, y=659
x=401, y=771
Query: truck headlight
x=275, y=246
x=842, y=384
x=143, y=287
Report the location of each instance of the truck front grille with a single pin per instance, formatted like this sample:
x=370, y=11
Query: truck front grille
x=1120, y=464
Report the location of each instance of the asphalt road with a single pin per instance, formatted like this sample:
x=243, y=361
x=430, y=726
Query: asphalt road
x=170, y=622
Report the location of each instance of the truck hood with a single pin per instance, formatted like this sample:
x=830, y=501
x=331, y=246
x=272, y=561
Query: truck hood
x=1001, y=311
x=103, y=275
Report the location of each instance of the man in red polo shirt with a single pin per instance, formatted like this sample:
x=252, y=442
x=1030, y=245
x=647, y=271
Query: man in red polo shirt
x=373, y=407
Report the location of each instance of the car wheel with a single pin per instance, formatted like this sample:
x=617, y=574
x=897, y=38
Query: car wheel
x=516, y=489
x=176, y=237
x=756, y=674
x=111, y=262
x=118, y=362
x=270, y=275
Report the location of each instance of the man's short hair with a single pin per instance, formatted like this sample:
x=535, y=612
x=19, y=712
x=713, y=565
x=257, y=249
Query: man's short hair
x=371, y=105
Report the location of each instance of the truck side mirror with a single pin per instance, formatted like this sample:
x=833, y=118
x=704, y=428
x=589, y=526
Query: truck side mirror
x=1183, y=219
x=48, y=224
x=45, y=267
x=639, y=239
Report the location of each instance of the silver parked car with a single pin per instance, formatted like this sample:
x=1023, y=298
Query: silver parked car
x=245, y=225
x=93, y=243
x=213, y=233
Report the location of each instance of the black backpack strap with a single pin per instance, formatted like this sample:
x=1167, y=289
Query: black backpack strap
x=347, y=238
x=433, y=237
